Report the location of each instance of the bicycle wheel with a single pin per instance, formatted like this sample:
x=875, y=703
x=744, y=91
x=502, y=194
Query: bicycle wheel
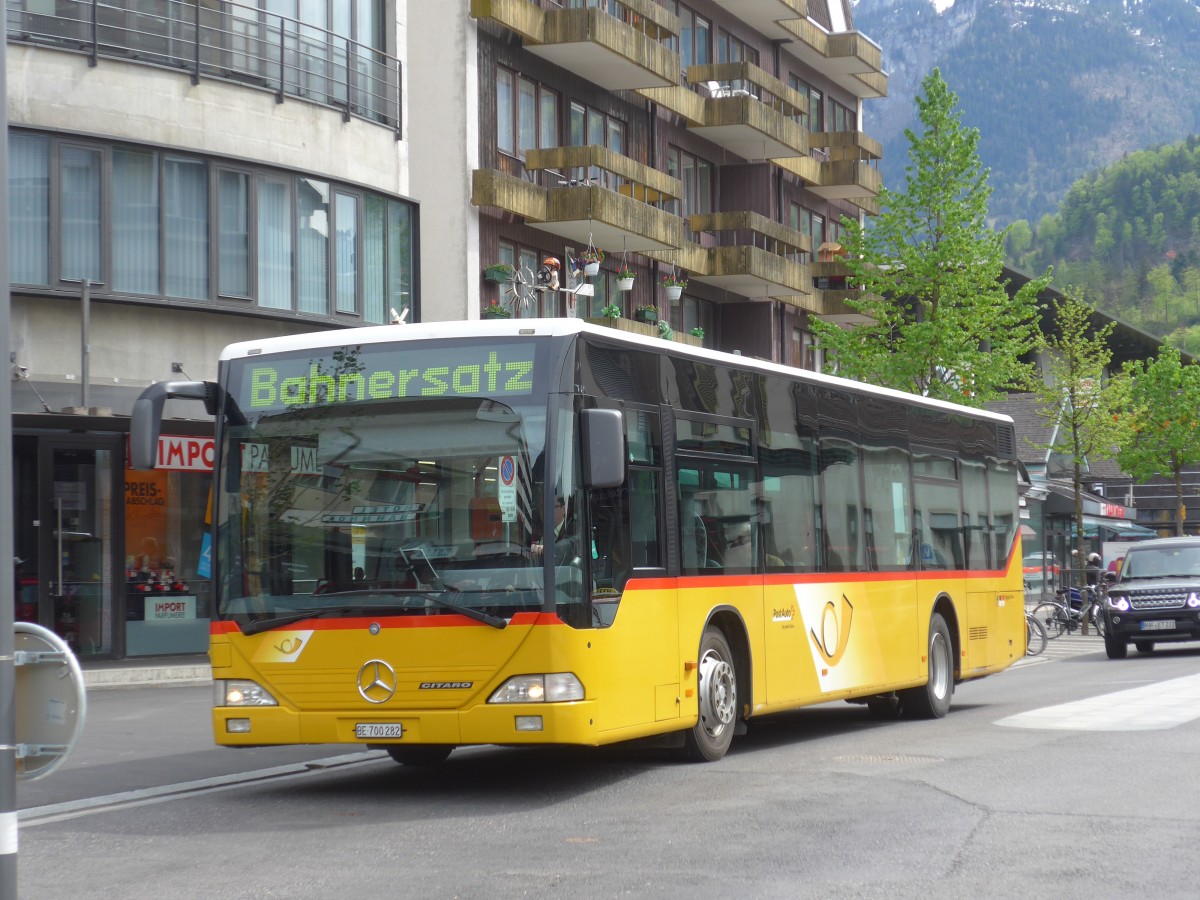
x=1054, y=618
x=1097, y=620
x=1035, y=633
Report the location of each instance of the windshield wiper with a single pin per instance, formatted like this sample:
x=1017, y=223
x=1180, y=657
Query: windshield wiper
x=280, y=621
x=291, y=618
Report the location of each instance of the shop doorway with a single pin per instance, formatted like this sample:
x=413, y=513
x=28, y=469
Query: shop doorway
x=78, y=534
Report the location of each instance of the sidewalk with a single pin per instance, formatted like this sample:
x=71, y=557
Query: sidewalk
x=174, y=671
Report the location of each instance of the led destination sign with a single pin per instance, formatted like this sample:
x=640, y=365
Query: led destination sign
x=387, y=373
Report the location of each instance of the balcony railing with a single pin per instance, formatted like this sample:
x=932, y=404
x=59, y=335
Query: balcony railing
x=228, y=42
x=748, y=111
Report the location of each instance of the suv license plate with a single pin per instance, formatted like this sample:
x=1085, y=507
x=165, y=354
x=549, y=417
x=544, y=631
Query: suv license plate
x=378, y=730
x=1159, y=625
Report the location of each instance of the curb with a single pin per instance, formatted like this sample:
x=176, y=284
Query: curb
x=162, y=676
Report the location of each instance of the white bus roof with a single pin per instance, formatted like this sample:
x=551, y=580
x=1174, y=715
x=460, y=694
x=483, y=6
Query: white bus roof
x=381, y=334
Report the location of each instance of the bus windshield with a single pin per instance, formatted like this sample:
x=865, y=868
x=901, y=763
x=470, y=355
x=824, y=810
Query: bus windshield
x=422, y=504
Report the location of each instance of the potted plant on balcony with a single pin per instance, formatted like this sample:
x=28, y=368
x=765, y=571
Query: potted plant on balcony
x=498, y=273
x=674, y=284
x=697, y=332
x=612, y=311
x=647, y=314
x=665, y=331
x=495, y=311
x=591, y=259
x=624, y=279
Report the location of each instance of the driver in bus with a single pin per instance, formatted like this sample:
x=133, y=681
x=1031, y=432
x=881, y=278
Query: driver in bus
x=565, y=549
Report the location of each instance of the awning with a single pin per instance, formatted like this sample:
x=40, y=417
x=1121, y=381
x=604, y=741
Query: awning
x=1121, y=528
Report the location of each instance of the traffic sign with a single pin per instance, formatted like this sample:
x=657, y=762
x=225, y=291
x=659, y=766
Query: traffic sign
x=50, y=699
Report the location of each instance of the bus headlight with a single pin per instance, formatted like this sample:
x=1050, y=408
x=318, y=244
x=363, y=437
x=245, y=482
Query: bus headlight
x=555, y=687
x=240, y=692
x=1118, y=602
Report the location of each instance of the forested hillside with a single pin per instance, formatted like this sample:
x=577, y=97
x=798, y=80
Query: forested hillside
x=1056, y=88
x=1129, y=235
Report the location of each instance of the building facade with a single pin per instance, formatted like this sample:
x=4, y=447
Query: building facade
x=183, y=174
x=714, y=141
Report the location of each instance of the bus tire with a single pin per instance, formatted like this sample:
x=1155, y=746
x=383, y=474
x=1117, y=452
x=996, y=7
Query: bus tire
x=717, y=689
x=932, y=701
x=419, y=754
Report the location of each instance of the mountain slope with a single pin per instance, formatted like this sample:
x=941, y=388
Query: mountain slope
x=1056, y=89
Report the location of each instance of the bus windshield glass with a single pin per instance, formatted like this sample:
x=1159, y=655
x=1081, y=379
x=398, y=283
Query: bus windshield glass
x=382, y=480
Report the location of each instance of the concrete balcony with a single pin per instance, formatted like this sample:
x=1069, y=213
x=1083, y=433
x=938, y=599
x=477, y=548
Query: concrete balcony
x=849, y=58
x=749, y=112
x=617, y=53
x=754, y=256
x=853, y=180
x=832, y=291
x=592, y=195
x=767, y=16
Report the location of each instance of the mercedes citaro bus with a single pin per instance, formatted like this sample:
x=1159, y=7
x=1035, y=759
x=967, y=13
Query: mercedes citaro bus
x=551, y=532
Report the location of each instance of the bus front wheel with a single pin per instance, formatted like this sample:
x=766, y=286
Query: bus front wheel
x=932, y=701
x=709, y=739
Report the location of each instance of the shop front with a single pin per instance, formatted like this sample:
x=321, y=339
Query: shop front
x=112, y=560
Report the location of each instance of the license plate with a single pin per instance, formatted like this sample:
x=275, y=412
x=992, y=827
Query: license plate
x=378, y=730
x=1159, y=625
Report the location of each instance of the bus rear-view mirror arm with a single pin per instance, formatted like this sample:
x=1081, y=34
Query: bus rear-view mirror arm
x=147, y=416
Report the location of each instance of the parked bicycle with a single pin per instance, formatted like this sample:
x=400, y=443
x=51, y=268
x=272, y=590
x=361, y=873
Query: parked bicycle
x=1035, y=635
x=1059, y=617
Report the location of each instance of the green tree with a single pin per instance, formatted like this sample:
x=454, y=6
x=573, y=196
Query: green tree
x=941, y=321
x=1164, y=405
x=1081, y=407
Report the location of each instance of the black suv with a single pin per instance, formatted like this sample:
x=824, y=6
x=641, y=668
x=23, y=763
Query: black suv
x=1155, y=597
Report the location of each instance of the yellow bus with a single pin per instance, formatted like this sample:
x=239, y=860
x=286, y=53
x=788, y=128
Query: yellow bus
x=549, y=532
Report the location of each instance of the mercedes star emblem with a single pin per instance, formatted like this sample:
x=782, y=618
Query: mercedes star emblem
x=376, y=681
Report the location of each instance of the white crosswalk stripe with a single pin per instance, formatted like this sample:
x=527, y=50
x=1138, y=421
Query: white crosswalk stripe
x=1147, y=708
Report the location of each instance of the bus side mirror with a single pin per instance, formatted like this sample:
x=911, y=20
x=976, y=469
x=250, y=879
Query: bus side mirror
x=146, y=422
x=603, y=432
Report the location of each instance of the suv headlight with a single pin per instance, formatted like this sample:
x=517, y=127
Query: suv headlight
x=1118, y=602
x=241, y=692
x=554, y=687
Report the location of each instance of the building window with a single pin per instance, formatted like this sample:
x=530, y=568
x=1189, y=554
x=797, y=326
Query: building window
x=79, y=214
x=697, y=176
x=731, y=48
x=346, y=252
x=135, y=262
x=589, y=126
x=844, y=118
x=29, y=208
x=312, y=245
x=695, y=38
x=526, y=114
x=505, y=112
x=170, y=226
x=233, y=223
x=185, y=228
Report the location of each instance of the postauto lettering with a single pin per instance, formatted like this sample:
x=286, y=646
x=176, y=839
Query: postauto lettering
x=446, y=372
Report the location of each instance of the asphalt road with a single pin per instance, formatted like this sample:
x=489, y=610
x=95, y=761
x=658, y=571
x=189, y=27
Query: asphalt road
x=996, y=800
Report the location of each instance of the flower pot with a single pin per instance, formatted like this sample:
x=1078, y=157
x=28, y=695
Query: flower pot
x=646, y=315
x=591, y=269
x=674, y=291
x=497, y=274
x=624, y=284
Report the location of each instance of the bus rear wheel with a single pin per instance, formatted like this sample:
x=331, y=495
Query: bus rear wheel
x=709, y=739
x=419, y=754
x=932, y=701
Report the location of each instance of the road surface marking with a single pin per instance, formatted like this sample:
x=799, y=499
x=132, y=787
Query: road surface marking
x=1153, y=707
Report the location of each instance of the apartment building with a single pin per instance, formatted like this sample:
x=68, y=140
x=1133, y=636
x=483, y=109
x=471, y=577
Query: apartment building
x=718, y=142
x=182, y=174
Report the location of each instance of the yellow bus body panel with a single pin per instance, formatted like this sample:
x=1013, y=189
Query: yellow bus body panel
x=807, y=639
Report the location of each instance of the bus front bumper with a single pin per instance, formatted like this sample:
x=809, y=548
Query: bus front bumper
x=507, y=723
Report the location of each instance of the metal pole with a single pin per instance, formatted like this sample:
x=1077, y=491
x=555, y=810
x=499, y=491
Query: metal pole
x=85, y=339
x=8, y=674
